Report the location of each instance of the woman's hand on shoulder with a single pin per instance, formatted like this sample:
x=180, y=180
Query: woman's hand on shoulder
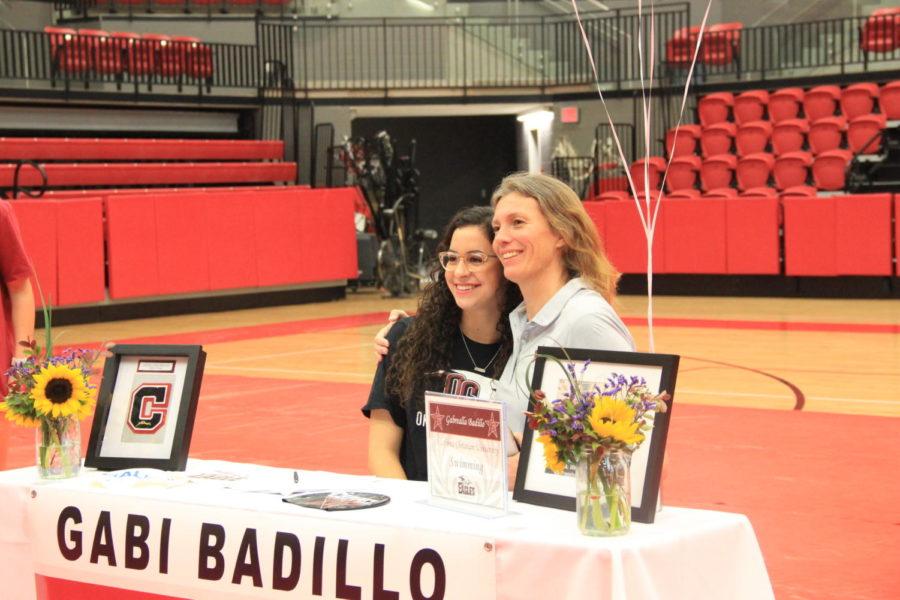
x=382, y=345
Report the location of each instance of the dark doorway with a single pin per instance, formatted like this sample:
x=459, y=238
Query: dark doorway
x=461, y=159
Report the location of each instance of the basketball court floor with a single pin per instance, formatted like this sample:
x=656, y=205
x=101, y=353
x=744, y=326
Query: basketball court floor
x=785, y=410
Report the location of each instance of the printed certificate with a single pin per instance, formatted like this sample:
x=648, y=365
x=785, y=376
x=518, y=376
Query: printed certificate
x=467, y=463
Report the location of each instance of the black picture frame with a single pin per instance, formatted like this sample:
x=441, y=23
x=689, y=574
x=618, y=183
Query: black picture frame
x=532, y=489
x=116, y=419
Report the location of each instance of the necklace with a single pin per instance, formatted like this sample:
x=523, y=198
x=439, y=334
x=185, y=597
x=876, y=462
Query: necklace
x=469, y=352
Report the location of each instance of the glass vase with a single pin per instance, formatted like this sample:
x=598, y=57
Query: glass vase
x=58, y=447
x=603, y=493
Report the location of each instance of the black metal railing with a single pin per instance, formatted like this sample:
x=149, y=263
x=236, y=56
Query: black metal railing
x=209, y=7
x=576, y=171
x=67, y=59
x=457, y=53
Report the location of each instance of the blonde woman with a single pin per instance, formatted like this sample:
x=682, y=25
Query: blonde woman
x=548, y=245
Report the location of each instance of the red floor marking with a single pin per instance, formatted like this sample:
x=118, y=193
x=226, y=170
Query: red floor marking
x=251, y=332
x=54, y=588
x=767, y=325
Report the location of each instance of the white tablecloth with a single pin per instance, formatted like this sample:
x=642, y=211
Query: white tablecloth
x=536, y=552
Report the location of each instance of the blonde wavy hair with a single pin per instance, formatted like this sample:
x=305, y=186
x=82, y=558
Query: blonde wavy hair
x=583, y=255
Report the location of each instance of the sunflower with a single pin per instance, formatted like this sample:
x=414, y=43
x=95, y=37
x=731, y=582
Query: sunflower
x=620, y=431
x=18, y=418
x=59, y=391
x=551, y=455
x=612, y=409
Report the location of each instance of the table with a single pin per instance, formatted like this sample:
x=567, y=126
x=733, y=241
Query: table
x=171, y=536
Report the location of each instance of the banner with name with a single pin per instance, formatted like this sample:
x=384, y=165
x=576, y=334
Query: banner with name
x=467, y=464
x=183, y=549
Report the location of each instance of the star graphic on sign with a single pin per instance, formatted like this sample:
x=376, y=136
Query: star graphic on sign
x=437, y=419
x=493, y=427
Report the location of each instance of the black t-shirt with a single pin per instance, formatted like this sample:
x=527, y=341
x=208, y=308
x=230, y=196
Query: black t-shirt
x=462, y=381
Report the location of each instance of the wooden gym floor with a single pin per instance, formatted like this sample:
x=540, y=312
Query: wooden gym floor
x=785, y=411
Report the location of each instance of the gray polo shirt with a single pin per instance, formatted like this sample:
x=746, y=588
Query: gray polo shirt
x=575, y=317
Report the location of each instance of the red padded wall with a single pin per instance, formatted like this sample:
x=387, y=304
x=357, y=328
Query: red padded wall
x=626, y=243
x=37, y=222
x=231, y=239
x=694, y=240
x=863, y=234
x=336, y=258
x=181, y=246
x=80, y=253
x=809, y=236
x=596, y=211
x=131, y=246
x=279, y=226
x=752, y=246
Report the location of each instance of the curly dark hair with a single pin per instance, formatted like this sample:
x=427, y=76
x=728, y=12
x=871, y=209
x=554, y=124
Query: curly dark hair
x=427, y=346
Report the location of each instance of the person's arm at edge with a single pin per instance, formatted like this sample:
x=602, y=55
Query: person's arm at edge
x=385, y=438
x=21, y=299
x=382, y=345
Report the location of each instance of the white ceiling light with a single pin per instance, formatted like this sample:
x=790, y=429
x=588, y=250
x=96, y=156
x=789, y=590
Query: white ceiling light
x=536, y=118
x=421, y=4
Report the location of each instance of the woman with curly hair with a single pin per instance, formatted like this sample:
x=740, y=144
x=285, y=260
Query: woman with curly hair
x=458, y=343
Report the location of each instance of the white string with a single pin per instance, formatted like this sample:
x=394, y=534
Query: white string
x=648, y=220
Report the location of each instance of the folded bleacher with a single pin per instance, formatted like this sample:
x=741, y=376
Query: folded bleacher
x=125, y=162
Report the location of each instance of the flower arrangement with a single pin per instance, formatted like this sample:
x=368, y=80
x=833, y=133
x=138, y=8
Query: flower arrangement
x=596, y=429
x=52, y=393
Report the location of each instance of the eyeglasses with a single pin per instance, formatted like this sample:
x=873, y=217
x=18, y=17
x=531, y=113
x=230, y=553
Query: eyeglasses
x=473, y=260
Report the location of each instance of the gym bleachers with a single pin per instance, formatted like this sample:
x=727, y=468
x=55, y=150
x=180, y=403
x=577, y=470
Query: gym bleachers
x=785, y=139
x=88, y=162
x=758, y=188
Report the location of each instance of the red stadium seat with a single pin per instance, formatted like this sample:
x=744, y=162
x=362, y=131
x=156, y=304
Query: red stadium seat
x=830, y=169
x=752, y=137
x=858, y=99
x=791, y=169
x=785, y=104
x=789, y=135
x=685, y=142
x=655, y=166
x=890, y=100
x=680, y=47
x=863, y=133
x=717, y=171
x=725, y=192
x=684, y=194
x=140, y=55
x=750, y=106
x=614, y=195
x=800, y=190
x=721, y=43
x=826, y=134
x=759, y=192
x=821, y=101
x=881, y=31
x=717, y=138
x=168, y=60
x=754, y=170
x=104, y=54
x=715, y=108
x=682, y=173
x=194, y=56
x=67, y=52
